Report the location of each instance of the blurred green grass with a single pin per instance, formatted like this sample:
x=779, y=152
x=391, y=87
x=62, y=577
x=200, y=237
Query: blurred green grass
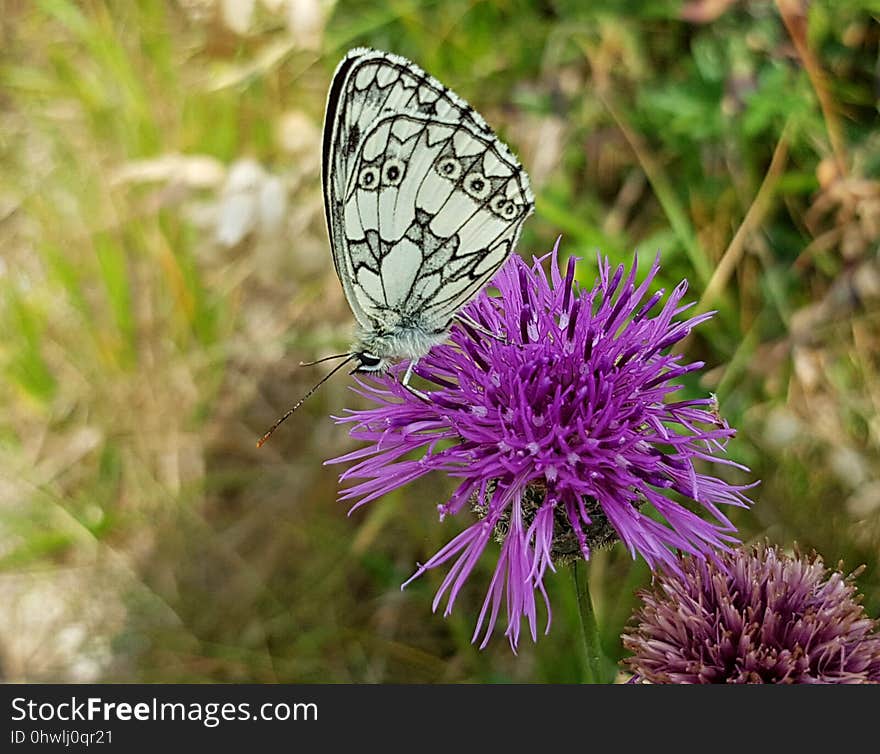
x=165, y=267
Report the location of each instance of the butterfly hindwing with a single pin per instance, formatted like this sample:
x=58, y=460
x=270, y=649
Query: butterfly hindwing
x=423, y=202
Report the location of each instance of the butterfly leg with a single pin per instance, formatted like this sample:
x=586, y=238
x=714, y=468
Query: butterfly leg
x=472, y=323
x=406, y=379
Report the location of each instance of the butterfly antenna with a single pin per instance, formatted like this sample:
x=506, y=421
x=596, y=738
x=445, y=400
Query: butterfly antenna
x=326, y=358
x=302, y=400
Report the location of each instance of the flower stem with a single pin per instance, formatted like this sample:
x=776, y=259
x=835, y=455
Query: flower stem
x=589, y=627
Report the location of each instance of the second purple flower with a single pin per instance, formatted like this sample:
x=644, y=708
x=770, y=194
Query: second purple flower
x=560, y=429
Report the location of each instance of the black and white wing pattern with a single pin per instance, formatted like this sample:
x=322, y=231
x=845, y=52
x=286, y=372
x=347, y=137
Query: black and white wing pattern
x=423, y=202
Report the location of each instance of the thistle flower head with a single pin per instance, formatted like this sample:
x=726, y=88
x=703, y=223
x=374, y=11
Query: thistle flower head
x=559, y=429
x=754, y=615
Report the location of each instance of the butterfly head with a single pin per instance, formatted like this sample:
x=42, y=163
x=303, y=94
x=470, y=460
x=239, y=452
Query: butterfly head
x=368, y=363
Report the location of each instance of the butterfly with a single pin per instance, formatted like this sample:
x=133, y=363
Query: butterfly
x=423, y=204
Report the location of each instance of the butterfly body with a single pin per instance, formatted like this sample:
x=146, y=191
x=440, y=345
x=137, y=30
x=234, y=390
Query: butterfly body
x=376, y=348
x=423, y=204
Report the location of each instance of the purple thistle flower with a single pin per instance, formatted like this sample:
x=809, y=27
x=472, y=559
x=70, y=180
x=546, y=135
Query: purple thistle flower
x=754, y=615
x=559, y=430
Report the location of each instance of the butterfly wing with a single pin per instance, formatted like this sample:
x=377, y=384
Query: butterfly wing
x=423, y=202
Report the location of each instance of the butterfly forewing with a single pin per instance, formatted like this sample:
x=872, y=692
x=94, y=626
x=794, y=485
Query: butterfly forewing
x=423, y=202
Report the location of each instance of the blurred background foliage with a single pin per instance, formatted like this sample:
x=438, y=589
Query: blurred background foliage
x=165, y=267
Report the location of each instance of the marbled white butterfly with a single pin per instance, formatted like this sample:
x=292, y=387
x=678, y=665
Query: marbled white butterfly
x=423, y=205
